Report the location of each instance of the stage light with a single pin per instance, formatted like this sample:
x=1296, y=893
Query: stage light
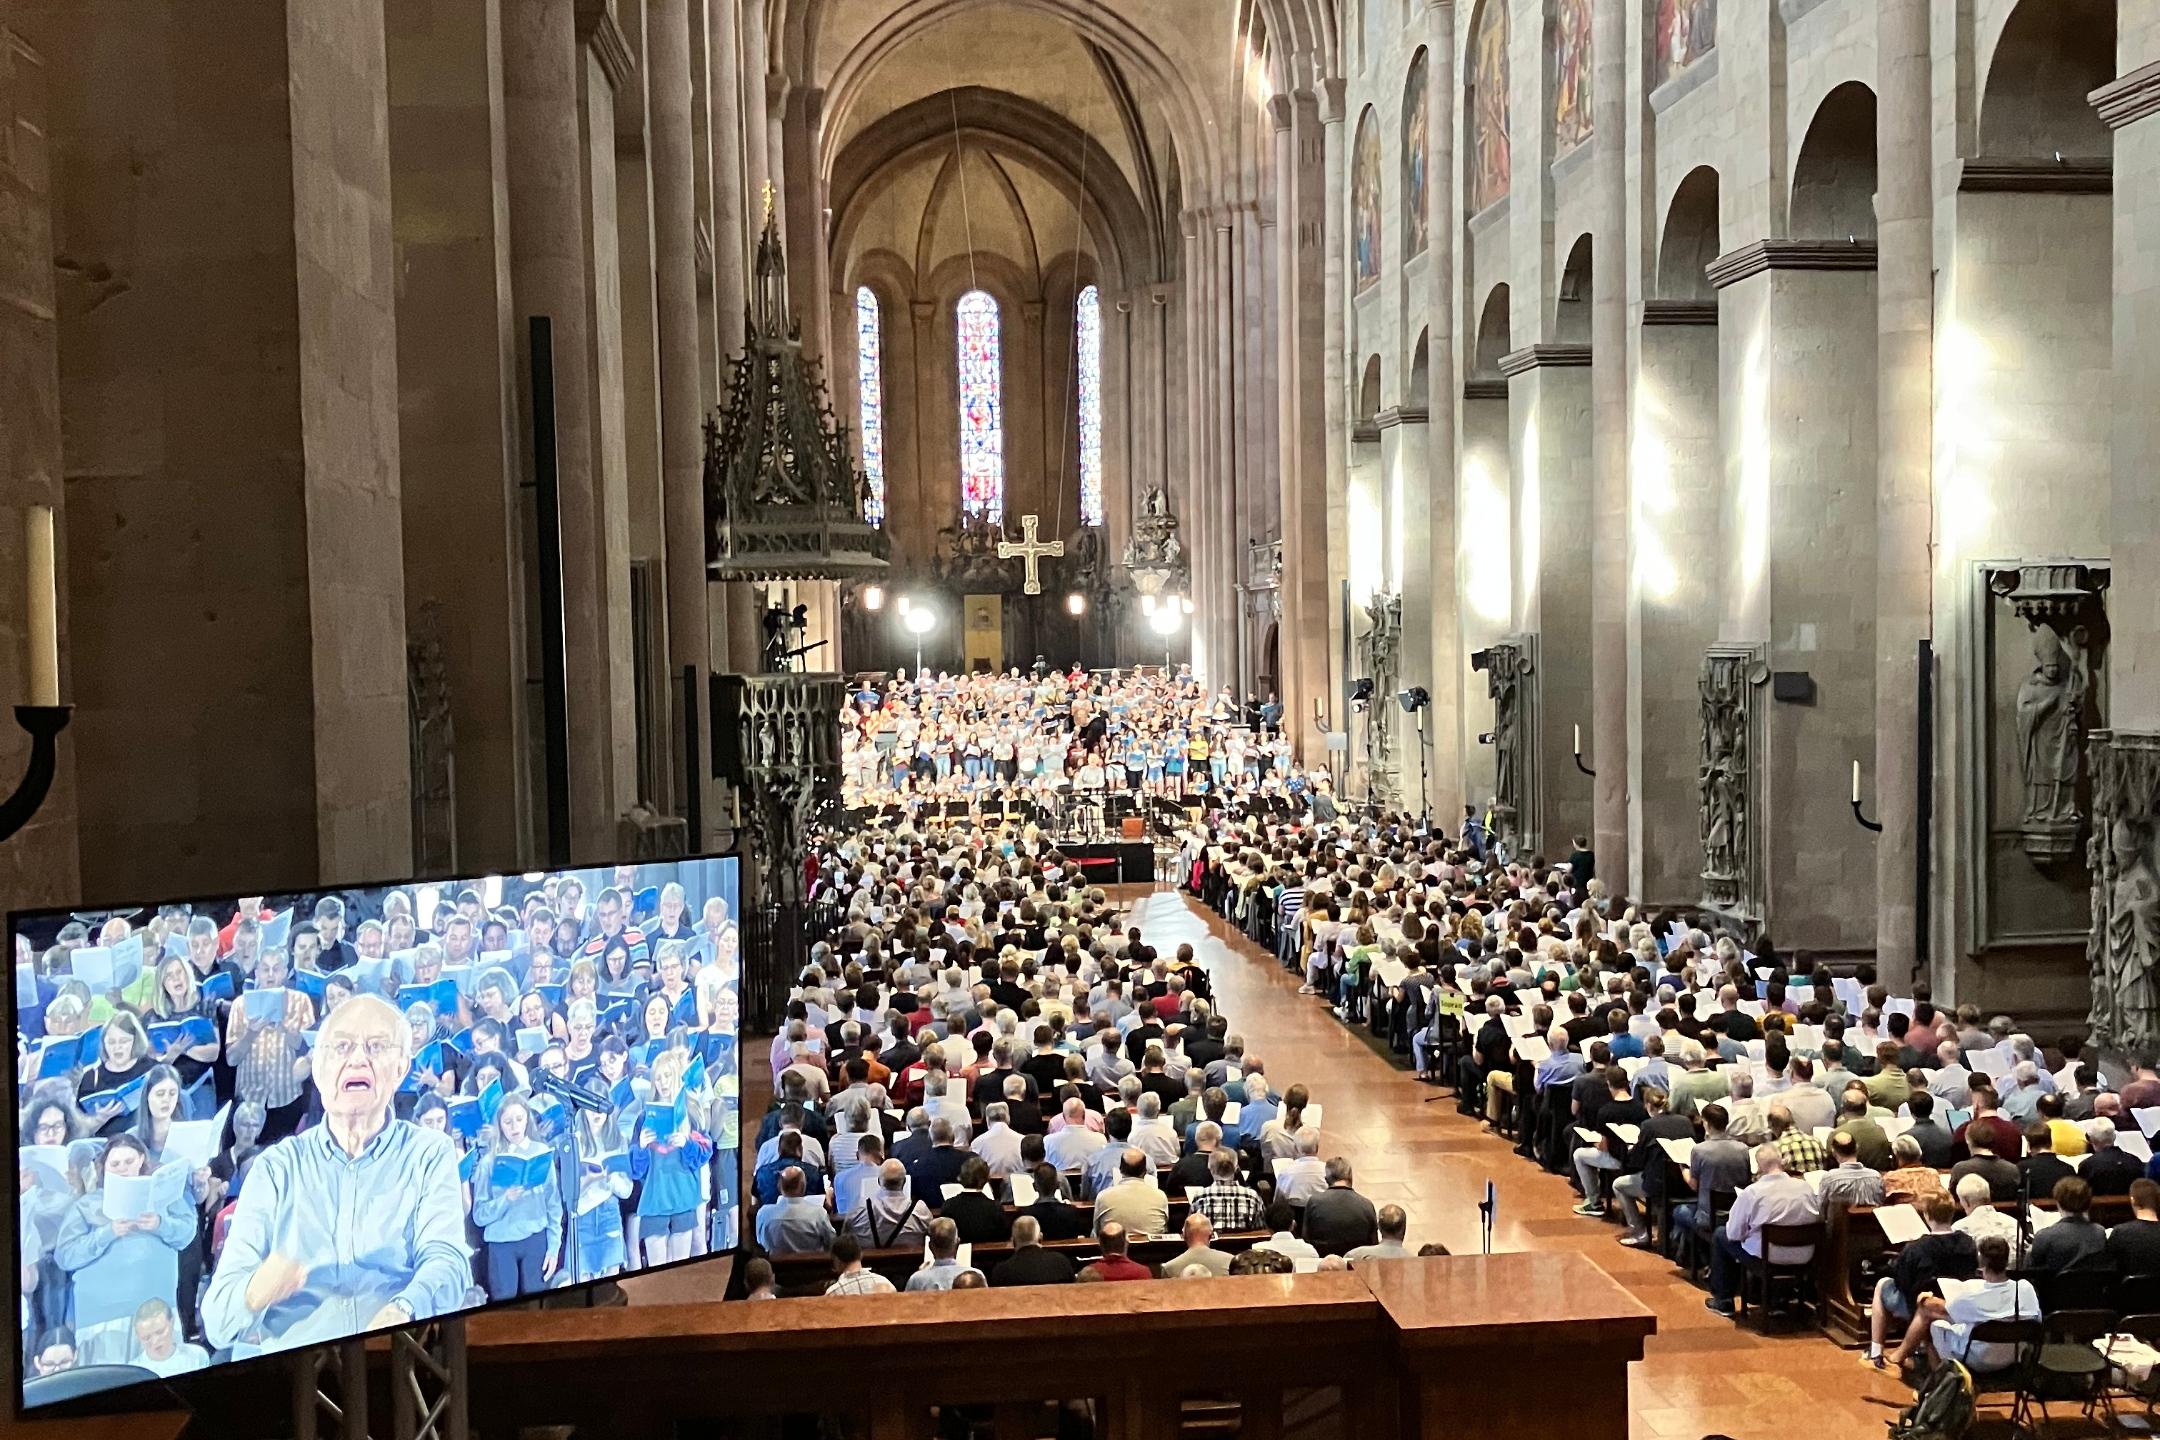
x=1165, y=621
x=1185, y=604
x=921, y=620
x=1414, y=699
x=1147, y=604
x=1076, y=604
x=873, y=598
x=800, y=616
x=905, y=602
x=1361, y=690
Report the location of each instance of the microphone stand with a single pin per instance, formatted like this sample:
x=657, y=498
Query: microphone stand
x=571, y=1184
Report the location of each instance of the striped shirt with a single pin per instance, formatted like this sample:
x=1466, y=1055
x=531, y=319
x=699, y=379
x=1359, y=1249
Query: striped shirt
x=633, y=940
x=1228, y=1207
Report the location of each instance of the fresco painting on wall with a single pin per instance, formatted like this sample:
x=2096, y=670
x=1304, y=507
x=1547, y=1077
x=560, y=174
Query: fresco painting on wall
x=1489, y=154
x=1571, y=74
x=1365, y=198
x=1417, y=163
x=1686, y=31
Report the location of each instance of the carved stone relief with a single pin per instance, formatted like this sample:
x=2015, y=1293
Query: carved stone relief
x=1510, y=668
x=2057, y=704
x=1382, y=653
x=1728, y=778
x=2124, y=945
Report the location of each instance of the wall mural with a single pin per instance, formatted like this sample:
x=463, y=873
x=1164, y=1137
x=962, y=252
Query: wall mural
x=1686, y=31
x=1489, y=154
x=1416, y=163
x=1571, y=74
x=1365, y=198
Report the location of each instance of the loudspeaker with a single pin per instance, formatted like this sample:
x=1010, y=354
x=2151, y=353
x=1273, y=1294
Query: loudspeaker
x=1792, y=687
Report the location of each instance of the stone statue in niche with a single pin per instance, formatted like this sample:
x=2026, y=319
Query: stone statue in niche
x=2051, y=740
x=2057, y=703
x=1729, y=685
x=2123, y=948
x=1383, y=648
x=1508, y=667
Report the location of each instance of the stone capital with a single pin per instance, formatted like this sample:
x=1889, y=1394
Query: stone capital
x=1332, y=91
x=1280, y=112
x=597, y=27
x=1750, y=260
x=924, y=311
x=1544, y=357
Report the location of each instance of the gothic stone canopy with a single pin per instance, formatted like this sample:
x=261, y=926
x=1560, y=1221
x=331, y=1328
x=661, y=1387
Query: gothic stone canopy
x=783, y=497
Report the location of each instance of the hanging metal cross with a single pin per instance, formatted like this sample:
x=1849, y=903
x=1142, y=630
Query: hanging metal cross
x=1030, y=549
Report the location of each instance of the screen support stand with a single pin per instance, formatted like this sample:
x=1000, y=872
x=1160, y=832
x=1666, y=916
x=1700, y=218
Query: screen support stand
x=427, y=1386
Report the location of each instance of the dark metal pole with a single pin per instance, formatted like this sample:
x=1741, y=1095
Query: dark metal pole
x=694, y=793
x=554, y=663
x=1924, y=812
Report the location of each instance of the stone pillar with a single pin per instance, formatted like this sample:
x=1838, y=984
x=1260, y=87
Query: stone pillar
x=804, y=216
x=38, y=866
x=1905, y=289
x=1672, y=596
x=464, y=518
x=756, y=119
x=229, y=375
x=1447, y=665
x=1609, y=497
x=730, y=241
x=1224, y=626
x=550, y=270
x=1296, y=691
x=682, y=444
x=1334, y=222
x=1550, y=402
x=1796, y=321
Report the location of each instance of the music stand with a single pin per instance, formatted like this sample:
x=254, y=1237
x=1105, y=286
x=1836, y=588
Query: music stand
x=571, y=1177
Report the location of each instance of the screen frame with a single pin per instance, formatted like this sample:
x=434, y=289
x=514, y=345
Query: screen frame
x=95, y=1402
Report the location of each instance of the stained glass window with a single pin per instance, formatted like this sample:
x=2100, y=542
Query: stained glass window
x=870, y=372
x=1089, y=325
x=982, y=408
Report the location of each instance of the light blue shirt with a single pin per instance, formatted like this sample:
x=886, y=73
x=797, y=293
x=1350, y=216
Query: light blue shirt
x=1102, y=1166
x=792, y=1224
x=387, y=1224
x=502, y=1219
x=937, y=1276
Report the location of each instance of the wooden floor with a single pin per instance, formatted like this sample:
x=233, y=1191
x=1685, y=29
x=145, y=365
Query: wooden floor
x=1702, y=1375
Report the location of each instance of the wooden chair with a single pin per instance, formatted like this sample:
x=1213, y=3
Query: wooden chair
x=1766, y=1276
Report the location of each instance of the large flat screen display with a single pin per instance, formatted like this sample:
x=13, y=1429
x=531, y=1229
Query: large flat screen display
x=255, y=1123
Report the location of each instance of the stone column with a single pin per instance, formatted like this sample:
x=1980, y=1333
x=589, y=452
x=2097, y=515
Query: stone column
x=1334, y=221
x=668, y=91
x=1609, y=498
x=549, y=276
x=1905, y=289
x=228, y=376
x=1550, y=404
x=756, y=119
x=1229, y=546
x=38, y=867
x=1281, y=113
x=730, y=241
x=465, y=521
x=804, y=217
x=1448, y=667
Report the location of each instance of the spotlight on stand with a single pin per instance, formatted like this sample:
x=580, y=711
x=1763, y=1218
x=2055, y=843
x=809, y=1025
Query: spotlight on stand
x=1076, y=604
x=1185, y=604
x=1147, y=604
x=1414, y=699
x=873, y=598
x=1361, y=691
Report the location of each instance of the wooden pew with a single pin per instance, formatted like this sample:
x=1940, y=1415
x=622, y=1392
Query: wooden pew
x=808, y=1272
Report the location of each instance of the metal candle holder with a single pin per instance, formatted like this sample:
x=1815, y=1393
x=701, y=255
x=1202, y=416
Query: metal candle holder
x=43, y=724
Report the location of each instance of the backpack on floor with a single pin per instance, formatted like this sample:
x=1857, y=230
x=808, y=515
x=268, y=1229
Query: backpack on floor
x=1943, y=1410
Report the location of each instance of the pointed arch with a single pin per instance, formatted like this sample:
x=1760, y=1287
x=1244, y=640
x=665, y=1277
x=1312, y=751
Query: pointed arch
x=1416, y=159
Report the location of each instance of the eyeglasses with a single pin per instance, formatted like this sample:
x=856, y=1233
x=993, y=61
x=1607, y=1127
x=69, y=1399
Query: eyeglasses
x=377, y=1047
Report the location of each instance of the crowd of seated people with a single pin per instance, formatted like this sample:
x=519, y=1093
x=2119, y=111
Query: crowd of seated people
x=189, y=1082
x=984, y=1054
x=1702, y=1091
